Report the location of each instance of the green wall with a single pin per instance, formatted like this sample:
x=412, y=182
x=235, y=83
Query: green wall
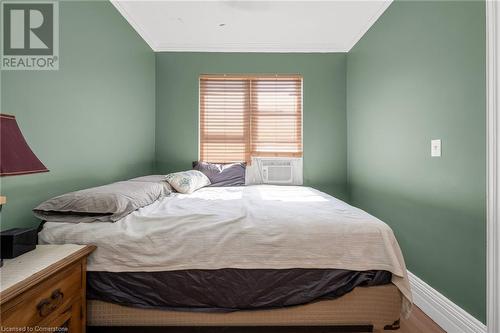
x=92, y=121
x=419, y=74
x=325, y=156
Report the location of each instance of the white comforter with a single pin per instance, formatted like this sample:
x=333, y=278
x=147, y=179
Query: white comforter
x=248, y=227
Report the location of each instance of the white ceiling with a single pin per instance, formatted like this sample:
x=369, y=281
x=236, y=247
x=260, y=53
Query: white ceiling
x=251, y=26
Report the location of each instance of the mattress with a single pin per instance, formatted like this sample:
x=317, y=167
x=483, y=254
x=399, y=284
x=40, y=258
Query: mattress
x=226, y=290
x=248, y=227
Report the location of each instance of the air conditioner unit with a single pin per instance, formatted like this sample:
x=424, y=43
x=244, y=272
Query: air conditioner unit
x=274, y=170
x=277, y=172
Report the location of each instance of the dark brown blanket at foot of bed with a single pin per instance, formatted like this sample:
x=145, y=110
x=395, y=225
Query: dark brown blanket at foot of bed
x=228, y=289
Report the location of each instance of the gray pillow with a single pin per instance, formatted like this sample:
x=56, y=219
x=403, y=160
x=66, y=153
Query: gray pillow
x=160, y=179
x=230, y=174
x=107, y=203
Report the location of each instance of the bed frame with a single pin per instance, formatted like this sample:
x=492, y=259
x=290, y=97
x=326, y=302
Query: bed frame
x=374, y=309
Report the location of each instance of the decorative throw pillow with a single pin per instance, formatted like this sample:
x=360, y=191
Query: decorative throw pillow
x=230, y=174
x=187, y=181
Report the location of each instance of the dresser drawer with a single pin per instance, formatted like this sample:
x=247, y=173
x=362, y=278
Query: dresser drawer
x=45, y=301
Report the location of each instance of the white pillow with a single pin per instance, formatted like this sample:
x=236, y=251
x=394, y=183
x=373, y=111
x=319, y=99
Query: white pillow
x=187, y=181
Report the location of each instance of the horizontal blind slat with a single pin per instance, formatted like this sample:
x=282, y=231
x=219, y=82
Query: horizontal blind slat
x=241, y=116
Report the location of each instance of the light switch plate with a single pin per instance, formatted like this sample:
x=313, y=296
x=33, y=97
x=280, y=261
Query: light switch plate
x=436, y=148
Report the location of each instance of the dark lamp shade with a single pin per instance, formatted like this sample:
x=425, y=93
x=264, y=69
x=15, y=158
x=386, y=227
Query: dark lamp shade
x=16, y=157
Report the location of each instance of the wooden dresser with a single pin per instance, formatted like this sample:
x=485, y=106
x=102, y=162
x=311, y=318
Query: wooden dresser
x=44, y=290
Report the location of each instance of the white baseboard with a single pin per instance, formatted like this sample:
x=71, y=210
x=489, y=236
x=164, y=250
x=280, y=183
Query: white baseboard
x=448, y=315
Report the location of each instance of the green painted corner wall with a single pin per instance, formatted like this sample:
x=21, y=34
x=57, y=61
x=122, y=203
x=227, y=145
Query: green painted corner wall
x=325, y=147
x=93, y=120
x=115, y=110
x=419, y=74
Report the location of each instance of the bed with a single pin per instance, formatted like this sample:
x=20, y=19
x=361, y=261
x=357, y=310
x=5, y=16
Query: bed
x=288, y=255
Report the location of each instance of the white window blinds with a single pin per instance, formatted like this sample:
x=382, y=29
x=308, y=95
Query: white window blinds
x=244, y=116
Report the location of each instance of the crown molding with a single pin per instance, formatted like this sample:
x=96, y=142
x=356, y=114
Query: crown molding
x=121, y=9
x=441, y=310
x=369, y=24
x=252, y=47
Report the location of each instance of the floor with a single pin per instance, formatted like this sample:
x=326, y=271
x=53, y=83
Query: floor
x=417, y=323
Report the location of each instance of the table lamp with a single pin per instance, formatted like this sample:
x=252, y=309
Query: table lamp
x=16, y=158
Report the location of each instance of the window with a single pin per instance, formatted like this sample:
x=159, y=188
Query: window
x=245, y=116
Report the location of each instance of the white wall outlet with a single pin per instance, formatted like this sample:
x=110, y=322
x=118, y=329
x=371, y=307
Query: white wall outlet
x=436, y=148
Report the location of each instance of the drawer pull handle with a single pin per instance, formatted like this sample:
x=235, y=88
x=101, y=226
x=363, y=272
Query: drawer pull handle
x=57, y=295
x=47, y=305
x=44, y=307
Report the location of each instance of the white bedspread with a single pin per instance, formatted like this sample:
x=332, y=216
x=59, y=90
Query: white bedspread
x=260, y=226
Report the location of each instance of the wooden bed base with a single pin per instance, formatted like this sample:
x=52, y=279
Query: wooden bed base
x=378, y=307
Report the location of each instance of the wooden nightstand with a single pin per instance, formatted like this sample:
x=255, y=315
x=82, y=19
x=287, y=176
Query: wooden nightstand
x=45, y=289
